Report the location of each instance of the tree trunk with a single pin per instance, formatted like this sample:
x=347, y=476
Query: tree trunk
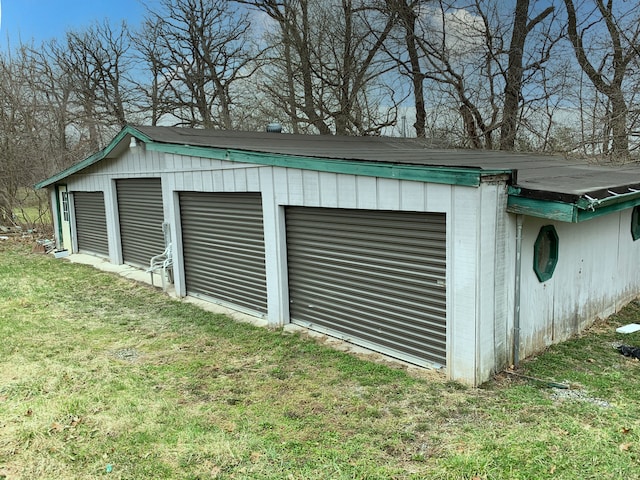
x=515, y=71
x=612, y=89
x=513, y=86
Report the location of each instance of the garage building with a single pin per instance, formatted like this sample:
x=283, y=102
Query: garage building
x=464, y=260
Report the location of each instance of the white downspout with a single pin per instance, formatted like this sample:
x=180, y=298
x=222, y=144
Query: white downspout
x=516, y=300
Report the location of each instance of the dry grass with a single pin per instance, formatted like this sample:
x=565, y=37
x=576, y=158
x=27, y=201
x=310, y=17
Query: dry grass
x=101, y=377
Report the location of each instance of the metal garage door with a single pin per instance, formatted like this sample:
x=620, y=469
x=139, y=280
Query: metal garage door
x=91, y=222
x=374, y=278
x=141, y=216
x=223, y=245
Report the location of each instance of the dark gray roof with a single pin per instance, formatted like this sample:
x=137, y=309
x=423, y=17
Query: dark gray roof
x=544, y=176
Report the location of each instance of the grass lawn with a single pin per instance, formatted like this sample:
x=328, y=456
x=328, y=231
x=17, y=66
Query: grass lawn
x=104, y=378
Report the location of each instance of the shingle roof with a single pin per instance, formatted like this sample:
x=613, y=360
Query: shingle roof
x=545, y=174
x=574, y=186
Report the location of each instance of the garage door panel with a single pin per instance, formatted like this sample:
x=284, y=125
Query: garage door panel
x=141, y=214
x=422, y=278
x=223, y=248
x=316, y=283
x=356, y=238
x=355, y=333
x=314, y=300
x=376, y=277
x=91, y=222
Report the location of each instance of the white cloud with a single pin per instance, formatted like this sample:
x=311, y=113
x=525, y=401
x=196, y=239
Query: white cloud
x=463, y=31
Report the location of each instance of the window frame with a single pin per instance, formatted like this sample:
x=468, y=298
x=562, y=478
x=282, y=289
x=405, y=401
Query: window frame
x=547, y=232
x=635, y=223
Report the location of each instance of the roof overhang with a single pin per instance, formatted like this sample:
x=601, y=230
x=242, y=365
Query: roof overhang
x=465, y=176
x=572, y=209
x=537, y=202
x=117, y=145
x=471, y=177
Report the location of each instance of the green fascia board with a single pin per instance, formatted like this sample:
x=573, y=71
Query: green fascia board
x=583, y=209
x=444, y=175
x=471, y=177
x=96, y=157
x=553, y=210
x=604, y=208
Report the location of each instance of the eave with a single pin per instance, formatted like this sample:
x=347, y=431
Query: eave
x=95, y=158
x=470, y=177
x=573, y=209
x=464, y=176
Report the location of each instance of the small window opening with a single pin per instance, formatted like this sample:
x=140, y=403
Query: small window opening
x=545, y=253
x=635, y=223
x=65, y=206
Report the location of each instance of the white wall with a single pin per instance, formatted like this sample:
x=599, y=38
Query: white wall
x=596, y=275
x=477, y=301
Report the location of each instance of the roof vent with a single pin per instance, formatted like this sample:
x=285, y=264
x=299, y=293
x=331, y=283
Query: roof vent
x=274, y=128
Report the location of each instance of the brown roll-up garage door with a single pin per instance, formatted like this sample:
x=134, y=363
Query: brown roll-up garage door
x=223, y=246
x=375, y=278
x=141, y=215
x=91, y=222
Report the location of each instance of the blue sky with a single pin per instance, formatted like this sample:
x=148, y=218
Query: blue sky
x=45, y=19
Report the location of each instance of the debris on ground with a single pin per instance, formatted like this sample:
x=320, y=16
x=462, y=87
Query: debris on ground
x=127, y=354
x=546, y=383
x=630, y=328
x=579, y=396
x=629, y=351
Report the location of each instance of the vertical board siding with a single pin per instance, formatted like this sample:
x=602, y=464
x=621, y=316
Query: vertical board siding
x=465, y=301
x=91, y=223
x=375, y=277
x=223, y=248
x=592, y=278
x=462, y=267
x=141, y=215
x=388, y=194
x=328, y=189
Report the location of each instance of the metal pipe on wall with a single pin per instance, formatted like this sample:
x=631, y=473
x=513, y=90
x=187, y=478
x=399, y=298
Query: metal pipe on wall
x=516, y=300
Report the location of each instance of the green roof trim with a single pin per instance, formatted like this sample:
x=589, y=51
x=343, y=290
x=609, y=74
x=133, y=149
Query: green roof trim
x=96, y=157
x=563, y=212
x=446, y=175
x=584, y=208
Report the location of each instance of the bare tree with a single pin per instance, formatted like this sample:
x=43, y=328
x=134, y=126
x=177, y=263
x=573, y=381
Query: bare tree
x=479, y=54
x=521, y=28
x=403, y=48
x=291, y=56
x=154, y=86
x=24, y=134
x=606, y=55
x=200, y=53
x=96, y=63
x=327, y=65
x=461, y=49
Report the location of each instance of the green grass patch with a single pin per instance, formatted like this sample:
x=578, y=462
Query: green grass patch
x=102, y=377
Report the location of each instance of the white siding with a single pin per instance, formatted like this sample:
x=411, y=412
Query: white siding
x=596, y=275
x=476, y=309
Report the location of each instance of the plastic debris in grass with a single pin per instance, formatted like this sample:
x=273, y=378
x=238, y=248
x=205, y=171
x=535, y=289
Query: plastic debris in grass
x=630, y=328
x=629, y=351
